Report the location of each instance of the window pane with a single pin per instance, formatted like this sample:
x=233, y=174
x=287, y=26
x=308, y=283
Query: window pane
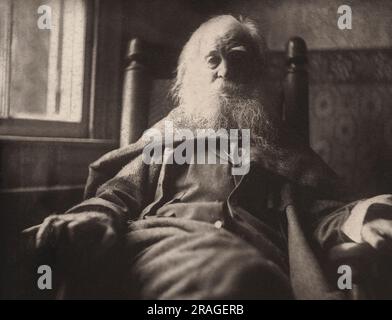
x=29, y=61
x=46, y=68
x=5, y=41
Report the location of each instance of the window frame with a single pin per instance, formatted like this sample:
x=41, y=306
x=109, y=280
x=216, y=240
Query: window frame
x=54, y=128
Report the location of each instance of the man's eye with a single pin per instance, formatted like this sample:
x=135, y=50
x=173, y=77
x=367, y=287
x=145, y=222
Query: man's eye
x=213, y=62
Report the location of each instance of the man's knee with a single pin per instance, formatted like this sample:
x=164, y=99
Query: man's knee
x=207, y=266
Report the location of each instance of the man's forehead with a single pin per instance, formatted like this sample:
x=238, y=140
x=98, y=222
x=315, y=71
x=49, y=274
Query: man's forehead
x=222, y=33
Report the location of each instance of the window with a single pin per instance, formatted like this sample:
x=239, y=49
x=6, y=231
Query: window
x=44, y=81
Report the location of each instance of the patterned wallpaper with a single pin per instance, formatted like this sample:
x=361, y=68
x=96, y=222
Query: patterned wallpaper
x=351, y=115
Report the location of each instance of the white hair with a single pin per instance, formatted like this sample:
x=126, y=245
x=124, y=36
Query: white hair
x=191, y=50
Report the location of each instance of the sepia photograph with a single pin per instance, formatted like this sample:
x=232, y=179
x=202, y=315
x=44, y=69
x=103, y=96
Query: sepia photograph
x=184, y=150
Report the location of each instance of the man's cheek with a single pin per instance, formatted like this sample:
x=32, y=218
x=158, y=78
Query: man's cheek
x=249, y=73
x=200, y=79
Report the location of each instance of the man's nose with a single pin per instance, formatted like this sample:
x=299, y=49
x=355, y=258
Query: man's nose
x=223, y=70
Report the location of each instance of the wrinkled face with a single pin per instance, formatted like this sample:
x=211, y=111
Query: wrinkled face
x=221, y=81
x=227, y=58
x=224, y=65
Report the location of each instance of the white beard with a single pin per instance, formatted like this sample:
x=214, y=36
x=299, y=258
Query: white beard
x=236, y=108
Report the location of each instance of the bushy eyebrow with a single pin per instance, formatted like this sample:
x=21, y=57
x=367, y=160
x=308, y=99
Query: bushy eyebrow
x=237, y=44
x=239, y=48
x=228, y=42
x=229, y=47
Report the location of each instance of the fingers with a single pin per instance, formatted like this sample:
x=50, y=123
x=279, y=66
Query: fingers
x=378, y=233
x=45, y=232
x=109, y=238
x=93, y=235
x=372, y=237
x=31, y=230
x=381, y=226
x=57, y=227
x=76, y=230
x=384, y=227
x=82, y=235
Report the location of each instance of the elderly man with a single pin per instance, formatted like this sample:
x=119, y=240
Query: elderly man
x=196, y=230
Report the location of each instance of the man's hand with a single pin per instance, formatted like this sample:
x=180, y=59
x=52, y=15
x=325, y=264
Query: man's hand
x=88, y=233
x=378, y=233
x=377, y=226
